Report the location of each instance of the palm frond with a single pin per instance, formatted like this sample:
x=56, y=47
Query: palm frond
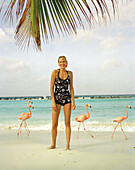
x=45, y=17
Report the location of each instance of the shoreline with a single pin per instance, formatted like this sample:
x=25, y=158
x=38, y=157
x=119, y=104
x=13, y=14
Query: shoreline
x=94, y=126
x=102, y=152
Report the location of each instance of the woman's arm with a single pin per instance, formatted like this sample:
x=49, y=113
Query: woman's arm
x=53, y=76
x=72, y=90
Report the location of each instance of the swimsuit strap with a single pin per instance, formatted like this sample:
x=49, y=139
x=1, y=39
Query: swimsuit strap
x=67, y=72
x=59, y=72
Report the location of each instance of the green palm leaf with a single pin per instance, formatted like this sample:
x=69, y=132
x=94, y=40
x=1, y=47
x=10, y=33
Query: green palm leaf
x=38, y=18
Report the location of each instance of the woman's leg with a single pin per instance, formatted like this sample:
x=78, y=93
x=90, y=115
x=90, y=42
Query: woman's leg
x=55, y=117
x=67, y=113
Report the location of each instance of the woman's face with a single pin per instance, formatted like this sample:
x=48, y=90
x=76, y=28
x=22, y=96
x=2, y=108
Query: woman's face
x=62, y=63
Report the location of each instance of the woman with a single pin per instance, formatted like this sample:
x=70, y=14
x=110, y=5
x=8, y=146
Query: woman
x=62, y=80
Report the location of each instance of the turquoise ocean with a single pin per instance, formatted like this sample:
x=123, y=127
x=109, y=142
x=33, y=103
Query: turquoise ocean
x=102, y=113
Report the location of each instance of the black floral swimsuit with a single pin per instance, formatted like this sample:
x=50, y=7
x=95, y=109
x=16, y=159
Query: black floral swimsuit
x=62, y=94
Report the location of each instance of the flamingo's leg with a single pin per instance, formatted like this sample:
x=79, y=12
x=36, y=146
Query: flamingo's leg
x=87, y=131
x=20, y=129
x=78, y=130
x=114, y=130
x=26, y=127
x=123, y=131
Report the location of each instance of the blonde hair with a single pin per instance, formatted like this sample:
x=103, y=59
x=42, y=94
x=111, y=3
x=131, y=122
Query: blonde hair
x=62, y=57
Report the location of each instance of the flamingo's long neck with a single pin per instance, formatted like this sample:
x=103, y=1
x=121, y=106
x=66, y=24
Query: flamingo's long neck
x=28, y=103
x=126, y=113
x=30, y=112
x=87, y=112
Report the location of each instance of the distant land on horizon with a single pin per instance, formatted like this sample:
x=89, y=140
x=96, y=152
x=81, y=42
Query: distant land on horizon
x=76, y=96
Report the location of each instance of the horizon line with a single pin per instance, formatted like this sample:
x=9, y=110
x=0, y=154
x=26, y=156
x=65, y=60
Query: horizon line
x=81, y=95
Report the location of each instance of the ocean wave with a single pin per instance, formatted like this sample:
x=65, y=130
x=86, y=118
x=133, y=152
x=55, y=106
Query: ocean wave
x=106, y=126
x=91, y=126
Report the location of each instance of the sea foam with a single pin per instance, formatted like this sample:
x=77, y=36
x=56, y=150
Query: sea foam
x=91, y=126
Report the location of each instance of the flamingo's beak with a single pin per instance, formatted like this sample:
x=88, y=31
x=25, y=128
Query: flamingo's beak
x=130, y=107
x=90, y=106
x=32, y=107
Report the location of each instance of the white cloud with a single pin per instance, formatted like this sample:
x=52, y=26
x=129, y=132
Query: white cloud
x=9, y=31
x=4, y=37
x=112, y=64
x=83, y=36
x=21, y=78
x=12, y=65
x=110, y=42
x=127, y=11
x=134, y=40
x=132, y=68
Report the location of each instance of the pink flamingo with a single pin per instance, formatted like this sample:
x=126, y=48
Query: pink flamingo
x=120, y=119
x=24, y=116
x=82, y=118
x=29, y=102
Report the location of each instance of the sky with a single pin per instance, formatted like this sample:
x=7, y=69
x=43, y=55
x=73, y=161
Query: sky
x=102, y=59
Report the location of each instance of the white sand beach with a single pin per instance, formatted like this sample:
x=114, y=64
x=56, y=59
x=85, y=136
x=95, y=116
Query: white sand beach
x=100, y=153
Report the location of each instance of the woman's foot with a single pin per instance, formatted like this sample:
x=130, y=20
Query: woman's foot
x=52, y=147
x=67, y=148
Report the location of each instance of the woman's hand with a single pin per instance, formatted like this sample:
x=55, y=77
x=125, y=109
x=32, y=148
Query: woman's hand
x=54, y=106
x=73, y=106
